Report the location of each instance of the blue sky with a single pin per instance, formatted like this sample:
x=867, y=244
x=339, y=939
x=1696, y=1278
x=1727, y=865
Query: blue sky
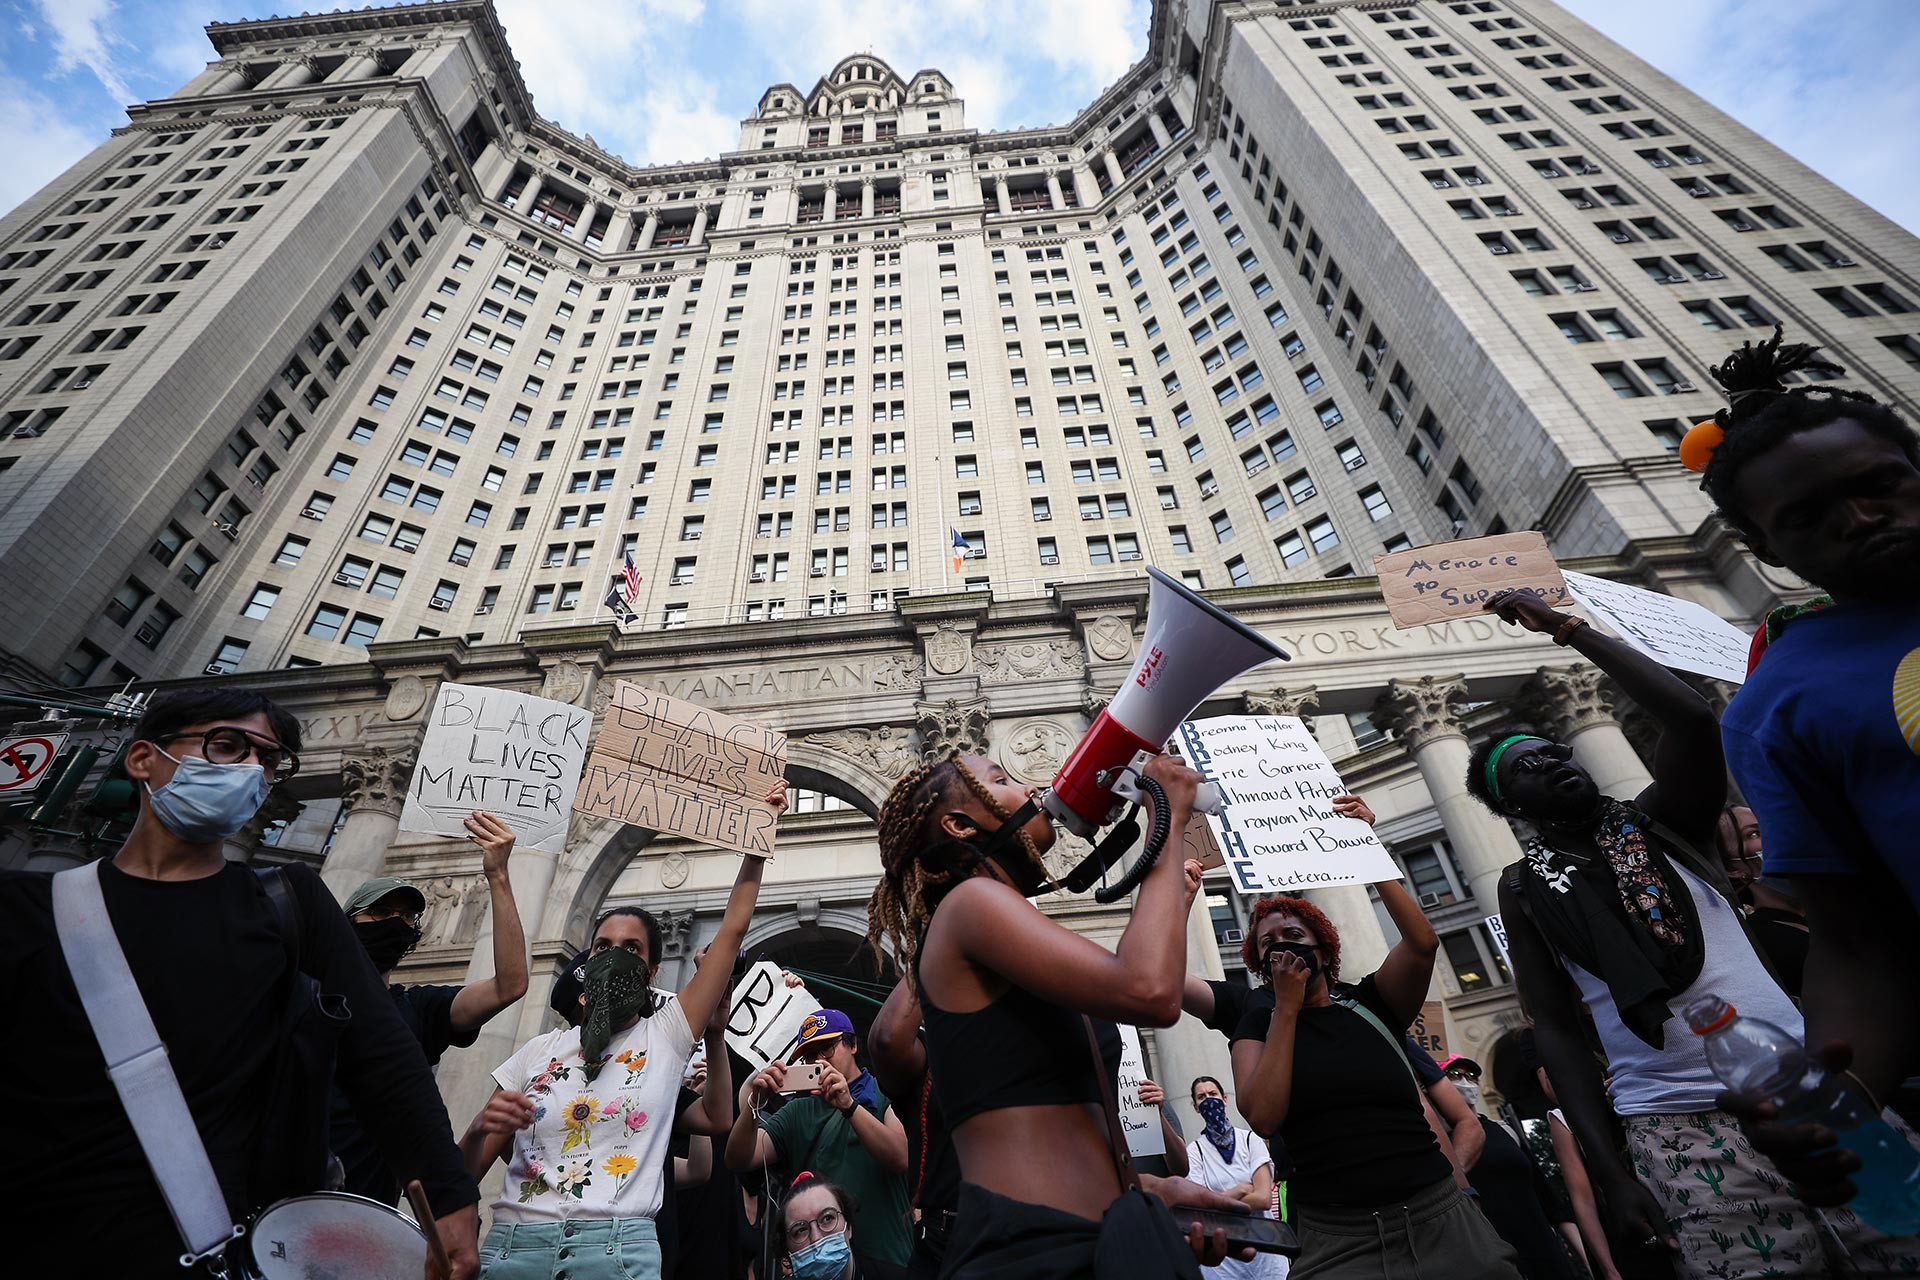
x=1831, y=81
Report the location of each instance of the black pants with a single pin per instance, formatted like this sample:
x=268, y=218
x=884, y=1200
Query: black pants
x=997, y=1238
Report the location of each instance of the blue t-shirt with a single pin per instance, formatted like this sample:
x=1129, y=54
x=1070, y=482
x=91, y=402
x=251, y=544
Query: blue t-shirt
x=1824, y=740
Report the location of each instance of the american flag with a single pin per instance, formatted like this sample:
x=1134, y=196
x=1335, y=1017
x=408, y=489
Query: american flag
x=630, y=580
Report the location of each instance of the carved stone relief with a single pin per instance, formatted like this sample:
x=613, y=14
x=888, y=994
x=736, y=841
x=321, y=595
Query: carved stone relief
x=947, y=652
x=674, y=869
x=1302, y=703
x=1110, y=637
x=376, y=778
x=1421, y=710
x=1561, y=701
x=454, y=905
x=1036, y=749
x=676, y=930
x=404, y=700
x=564, y=681
x=897, y=671
x=1093, y=702
x=1028, y=660
x=951, y=726
x=887, y=751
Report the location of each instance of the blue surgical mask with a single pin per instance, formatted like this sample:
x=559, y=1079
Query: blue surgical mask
x=824, y=1259
x=207, y=801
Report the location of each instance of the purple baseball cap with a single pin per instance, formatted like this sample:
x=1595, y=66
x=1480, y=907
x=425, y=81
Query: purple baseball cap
x=822, y=1025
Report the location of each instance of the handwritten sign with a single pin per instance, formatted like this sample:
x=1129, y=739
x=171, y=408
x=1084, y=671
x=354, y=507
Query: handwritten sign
x=1277, y=828
x=1498, y=928
x=1456, y=579
x=766, y=1014
x=677, y=768
x=512, y=754
x=1429, y=1029
x=1138, y=1121
x=1673, y=632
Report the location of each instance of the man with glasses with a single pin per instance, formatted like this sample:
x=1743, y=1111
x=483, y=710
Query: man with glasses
x=203, y=940
x=386, y=914
x=843, y=1129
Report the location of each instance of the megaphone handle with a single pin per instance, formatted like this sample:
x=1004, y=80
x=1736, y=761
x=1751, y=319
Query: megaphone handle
x=1207, y=798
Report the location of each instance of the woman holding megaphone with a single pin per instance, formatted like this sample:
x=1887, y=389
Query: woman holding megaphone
x=1019, y=1018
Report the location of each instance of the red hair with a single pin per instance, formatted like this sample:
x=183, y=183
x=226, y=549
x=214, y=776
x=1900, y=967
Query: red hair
x=1306, y=913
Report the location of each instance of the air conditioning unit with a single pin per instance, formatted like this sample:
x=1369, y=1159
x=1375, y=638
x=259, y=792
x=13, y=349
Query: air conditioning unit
x=401, y=546
x=1681, y=388
x=1673, y=279
x=567, y=604
x=1474, y=181
x=1551, y=173
x=1662, y=163
x=816, y=573
x=1620, y=237
x=1713, y=275
x=483, y=610
x=1845, y=262
x=308, y=513
x=756, y=577
x=1500, y=248
x=1589, y=168
x=1129, y=555
x=1209, y=490
x=1049, y=559
x=347, y=580
x=147, y=636
x=462, y=561
x=1232, y=937
x=672, y=582
x=1428, y=901
x=1043, y=515
x=215, y=669
x=442, y=606
x=1583, y=204
x=1441, y=184
x=1699, y=193
x=1742, y=226
x=692, y=535
x=27, y=433
x=1694, y=159
x=1586, y=286
x=1501, y=213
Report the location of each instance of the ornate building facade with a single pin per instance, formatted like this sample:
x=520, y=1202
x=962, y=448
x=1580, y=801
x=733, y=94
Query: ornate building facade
x=341, y=372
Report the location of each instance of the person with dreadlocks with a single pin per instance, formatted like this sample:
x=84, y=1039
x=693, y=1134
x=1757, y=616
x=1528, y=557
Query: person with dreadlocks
x=583, y=1115
x=1019, y=1040
x=1824, y=737
x=1619, y=916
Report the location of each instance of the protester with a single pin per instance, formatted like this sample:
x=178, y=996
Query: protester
x=204, y=943
x=899, y=1051
x=1774, y=918
x=1371, y=1191
x=1824, y=737
x=1004, y=991
x=844, y=1130
x=386, y=918
x=1172, y=1163
x=1524, y=1087
x=1235, y=1163
x=1617, y=908
x=584, y=1111
x=815, y=1226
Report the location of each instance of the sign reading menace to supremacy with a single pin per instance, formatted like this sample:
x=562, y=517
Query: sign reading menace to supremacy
x=1674, y=633
x=766, y=1014
x=1456, y=579
x=512, y=754
x=682, y=770
x=1140, y=1122
x=1277, y=828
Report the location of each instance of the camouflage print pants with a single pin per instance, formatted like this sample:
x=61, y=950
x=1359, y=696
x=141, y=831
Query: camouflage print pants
x=1736, y=1216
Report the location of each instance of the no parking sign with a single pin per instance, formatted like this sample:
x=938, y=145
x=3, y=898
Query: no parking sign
x=24, y=761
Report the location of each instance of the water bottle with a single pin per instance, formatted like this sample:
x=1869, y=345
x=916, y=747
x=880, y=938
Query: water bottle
x=1758, y=1058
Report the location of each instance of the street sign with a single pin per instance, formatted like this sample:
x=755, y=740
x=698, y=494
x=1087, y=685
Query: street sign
x=24, y=761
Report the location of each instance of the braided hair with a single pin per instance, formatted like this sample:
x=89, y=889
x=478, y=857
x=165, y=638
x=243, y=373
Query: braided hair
x=918, y=863
x=1763, y=409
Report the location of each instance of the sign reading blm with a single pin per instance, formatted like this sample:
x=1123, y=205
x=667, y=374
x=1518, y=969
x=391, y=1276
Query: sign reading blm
x=512, y=754
x=677, y=768
x=1277, y=827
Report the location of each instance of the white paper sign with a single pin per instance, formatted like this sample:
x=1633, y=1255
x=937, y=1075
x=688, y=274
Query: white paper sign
x=512, y=754
x=1277, y=828
x=1140, y=1122
x=1674, y=633
x=766, y=1014
x=1498, y=928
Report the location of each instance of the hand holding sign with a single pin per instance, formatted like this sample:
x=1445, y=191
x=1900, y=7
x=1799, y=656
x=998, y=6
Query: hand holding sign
x=1139, y=1120
x=1454, y=579
x=1523, y=607
x=514, y=754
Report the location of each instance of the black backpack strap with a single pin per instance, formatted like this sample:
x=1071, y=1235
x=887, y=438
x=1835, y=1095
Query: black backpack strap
x=285, y=910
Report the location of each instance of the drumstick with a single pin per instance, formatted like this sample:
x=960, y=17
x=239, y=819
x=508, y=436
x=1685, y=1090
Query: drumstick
x=423, y=1214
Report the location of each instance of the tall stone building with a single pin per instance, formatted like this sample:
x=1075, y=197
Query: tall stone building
x=341, y=372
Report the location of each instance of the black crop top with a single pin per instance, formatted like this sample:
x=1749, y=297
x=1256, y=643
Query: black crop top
x=1019, y=1051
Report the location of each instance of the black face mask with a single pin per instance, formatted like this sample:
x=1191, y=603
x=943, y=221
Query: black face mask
x=1307, y=951
x=1003, y=846
x=386, y=941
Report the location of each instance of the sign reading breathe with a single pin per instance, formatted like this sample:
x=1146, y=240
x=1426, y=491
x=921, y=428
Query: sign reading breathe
x=1456, y=579
x=512, y=754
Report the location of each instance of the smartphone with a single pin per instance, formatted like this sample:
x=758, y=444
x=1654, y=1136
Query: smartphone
x=803, y=1077
x=1268, y=1235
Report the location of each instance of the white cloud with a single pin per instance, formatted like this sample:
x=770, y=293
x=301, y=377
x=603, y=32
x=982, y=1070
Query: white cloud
x=685, y=120
x=41, y=142
x=81, y=36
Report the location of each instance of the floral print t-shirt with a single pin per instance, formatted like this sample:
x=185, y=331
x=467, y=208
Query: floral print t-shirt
x=595, y=1148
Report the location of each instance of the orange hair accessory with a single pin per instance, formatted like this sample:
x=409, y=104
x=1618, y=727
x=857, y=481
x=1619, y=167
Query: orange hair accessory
x=1697, y=446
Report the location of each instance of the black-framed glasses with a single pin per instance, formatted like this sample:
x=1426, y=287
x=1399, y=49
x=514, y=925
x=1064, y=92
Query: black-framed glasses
x=227, y=745
x=1542, y=758
x=831, y=1222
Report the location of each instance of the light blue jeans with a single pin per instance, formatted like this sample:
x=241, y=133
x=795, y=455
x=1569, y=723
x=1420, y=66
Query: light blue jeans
x=583, y=1249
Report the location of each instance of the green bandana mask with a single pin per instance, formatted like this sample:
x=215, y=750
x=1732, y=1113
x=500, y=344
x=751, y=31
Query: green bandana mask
x=618, y=986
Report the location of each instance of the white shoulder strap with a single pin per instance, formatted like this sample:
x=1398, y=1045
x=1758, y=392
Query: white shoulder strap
x=137, y=1064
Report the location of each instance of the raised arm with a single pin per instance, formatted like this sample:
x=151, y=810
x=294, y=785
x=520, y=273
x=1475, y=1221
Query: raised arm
x=708, y=986
x=479, y=1001
x=1404, y=976
x=893, y=1041
x=1464, y=1133
x=748, y=1147
x=714, y=1112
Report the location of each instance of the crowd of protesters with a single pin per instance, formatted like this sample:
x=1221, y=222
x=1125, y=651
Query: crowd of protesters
x=972, y=1131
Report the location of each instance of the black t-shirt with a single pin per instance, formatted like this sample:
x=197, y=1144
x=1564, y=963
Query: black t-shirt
x=428, y=1013
x=1232, y=1002
x=211, y=968
x=1354, y=1129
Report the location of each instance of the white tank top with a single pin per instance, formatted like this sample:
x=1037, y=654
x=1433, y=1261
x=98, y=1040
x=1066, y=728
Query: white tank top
x=1675, y=1078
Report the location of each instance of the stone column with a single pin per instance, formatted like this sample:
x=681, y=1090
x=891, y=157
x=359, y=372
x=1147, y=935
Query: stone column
x=1085, y=187
x=1420, y=713
x=1160, y=134
x=584, y=223
x=231, y=79
x=1574, y=705
x=648, y=229
x=290, y=74
x=699, y=235
x=415, y=61
x=829, y=198
x=528, y=194
x=243, y=846
x=1001, y=199
x=373, y=785
x=1114, y=171
x=360, y=66
x=489, y=165
x=619, y=231
x=1055, y=197
x=866, y=197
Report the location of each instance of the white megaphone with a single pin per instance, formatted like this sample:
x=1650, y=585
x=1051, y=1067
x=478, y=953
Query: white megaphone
x=1190, y=649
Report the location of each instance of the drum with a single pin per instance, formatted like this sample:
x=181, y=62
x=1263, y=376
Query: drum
x=330, y=1236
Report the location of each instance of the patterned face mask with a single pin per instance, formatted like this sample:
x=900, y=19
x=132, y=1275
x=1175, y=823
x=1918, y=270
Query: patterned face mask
x=618, y=986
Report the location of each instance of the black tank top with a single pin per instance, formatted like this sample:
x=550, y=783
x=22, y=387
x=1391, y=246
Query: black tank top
x=1019, y=1051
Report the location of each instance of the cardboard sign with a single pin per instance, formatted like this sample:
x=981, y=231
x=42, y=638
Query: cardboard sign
x=766, y=1014
x=1429, y=1029
x=512, y=754
x=1674, y=633
x=1456, y=579
x=1277, y=828
x=1138, y=1121
x=679, y=769
x=1498, y=928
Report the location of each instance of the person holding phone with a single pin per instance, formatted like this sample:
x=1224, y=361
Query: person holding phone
x=1371, y=1192
x=839, y=1125
x=1003, y=990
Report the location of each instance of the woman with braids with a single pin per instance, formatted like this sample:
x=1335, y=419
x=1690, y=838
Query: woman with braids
x=1323, y=1068
x=1003, y=990
x=1824, y=737
x=584, y=1114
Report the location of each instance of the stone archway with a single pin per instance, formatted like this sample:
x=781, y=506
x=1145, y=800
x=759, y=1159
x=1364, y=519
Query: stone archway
x=831, y=943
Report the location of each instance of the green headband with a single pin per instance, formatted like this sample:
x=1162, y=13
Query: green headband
x=1493, y=760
